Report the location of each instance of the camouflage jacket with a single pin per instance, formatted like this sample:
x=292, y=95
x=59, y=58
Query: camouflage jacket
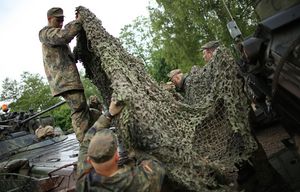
x=147, y=176
x=59, y=63
x=128, y=178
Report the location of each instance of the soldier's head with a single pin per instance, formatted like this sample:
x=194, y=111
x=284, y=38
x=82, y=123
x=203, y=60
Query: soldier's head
x=102, y=152
x=208, y=50
x=55, y=17
x=176, y=77
x=4, y=108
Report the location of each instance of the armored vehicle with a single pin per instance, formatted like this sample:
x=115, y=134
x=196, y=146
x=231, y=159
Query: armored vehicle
x=272, y=59
x=32, y=163
x=270, y=63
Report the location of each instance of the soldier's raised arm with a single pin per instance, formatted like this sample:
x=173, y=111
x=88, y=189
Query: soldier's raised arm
x=54, y=34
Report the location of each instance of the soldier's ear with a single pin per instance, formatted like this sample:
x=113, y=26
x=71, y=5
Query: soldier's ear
x=49, y=19
x=116, y=156
x=88, y=160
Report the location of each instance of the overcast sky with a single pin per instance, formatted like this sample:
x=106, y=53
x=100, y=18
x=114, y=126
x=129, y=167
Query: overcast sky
x=21, y=20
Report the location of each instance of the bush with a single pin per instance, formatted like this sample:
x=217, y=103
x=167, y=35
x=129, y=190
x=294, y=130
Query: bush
x=62, y=117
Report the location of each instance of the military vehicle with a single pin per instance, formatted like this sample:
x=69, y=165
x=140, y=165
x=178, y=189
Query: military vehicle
x=270, y=61
x=270, y=64
x=29, y=163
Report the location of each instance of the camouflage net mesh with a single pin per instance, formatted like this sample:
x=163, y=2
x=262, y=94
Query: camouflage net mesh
x=199, y=140
x=17, y=182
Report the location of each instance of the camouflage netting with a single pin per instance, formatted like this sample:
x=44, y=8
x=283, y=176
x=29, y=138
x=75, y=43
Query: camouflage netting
x=199, y=142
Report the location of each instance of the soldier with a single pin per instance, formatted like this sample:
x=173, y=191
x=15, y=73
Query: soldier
x=60, y=67
x=255, y=174
x=208, y=50
x=183, y=82
x=98, y=162
x=178, y=79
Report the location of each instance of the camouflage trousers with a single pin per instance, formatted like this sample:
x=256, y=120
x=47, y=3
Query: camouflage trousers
x=79, y=112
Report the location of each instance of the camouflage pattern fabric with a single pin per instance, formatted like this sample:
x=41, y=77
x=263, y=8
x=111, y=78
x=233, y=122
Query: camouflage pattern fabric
x=103, y=146
x=199, y=81
x=130, y=178
x=154, y=122
x=95, y=103
x=80, y=113
x=59, y=62
x=82, y=164
x=148, y=176
x=62, y=73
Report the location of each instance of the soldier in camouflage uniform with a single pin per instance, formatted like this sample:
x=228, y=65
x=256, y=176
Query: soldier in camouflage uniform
x=255, y=174
x=60, y=67
x=95, y=103
x=183, y=81
x=98, y=163
x=208, y=50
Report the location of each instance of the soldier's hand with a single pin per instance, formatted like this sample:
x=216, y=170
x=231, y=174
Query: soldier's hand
x=77, y=15
x=115, y=108
x=168, y=86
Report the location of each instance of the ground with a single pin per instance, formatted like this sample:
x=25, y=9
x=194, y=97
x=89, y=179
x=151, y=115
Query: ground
x=285, y=161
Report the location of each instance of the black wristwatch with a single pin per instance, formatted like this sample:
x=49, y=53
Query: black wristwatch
x=108, y=115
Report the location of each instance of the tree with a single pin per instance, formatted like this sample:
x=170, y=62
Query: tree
x=159, y=68
x=30, y=93
x=89, y=88
x=10, y=90
x=62, y=117
x=33, y=92
x=173, y=34
x=137, y=38
x=181, y=26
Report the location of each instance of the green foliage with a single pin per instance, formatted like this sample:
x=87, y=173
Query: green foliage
x=33, y=92
x=10, y=89
x=173, y=34
x=30, y=93
x=62, y=117
x=89, y=88
x=159, y=68
x=181, y=27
